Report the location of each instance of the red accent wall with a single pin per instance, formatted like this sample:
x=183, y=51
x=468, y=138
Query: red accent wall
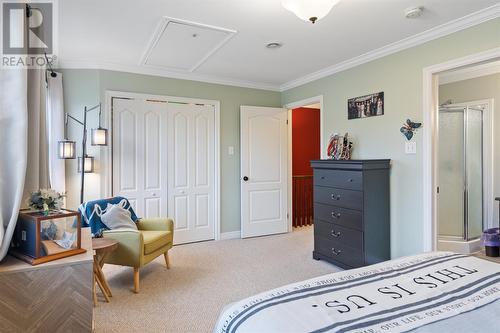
x=305, y=140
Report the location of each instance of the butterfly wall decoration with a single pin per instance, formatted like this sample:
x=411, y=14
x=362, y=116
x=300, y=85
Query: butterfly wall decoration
x=408, y=128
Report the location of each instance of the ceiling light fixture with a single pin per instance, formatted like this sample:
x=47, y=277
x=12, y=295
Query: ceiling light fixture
x=414, y=12
x=308, y=10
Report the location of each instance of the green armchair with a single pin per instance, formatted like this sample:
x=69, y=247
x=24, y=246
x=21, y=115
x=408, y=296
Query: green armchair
x=153, y=238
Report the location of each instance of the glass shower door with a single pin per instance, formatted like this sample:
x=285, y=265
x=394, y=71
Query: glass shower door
x=474, y=169
x=451, y=174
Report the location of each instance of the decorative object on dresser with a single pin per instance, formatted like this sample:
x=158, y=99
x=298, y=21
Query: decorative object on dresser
x=40, y=237
x=45, y=200
x=351, y=212
x=339, y=147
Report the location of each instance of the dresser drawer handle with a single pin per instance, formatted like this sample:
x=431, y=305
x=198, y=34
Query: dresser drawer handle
x=335, y=197
x=323, y=177
x=335, y=215
x=350, y=180
x=336, y=234
x=336, y=252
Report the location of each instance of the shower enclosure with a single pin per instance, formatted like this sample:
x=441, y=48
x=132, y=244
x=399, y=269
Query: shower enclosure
x=460, y=168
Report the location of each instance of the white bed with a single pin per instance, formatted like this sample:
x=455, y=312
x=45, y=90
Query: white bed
x=433, y=292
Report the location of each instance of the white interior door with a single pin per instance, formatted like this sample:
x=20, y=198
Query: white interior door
x=139, y=152
x=191, y=171
x=263, y=171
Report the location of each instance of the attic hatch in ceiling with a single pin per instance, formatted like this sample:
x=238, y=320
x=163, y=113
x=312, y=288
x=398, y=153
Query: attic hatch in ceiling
x=182, y=45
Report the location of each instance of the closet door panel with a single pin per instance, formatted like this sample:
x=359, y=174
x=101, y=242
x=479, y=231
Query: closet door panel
x=191, y=171
x=138, y=152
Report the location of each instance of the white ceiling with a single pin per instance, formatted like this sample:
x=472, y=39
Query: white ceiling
x=116, y=34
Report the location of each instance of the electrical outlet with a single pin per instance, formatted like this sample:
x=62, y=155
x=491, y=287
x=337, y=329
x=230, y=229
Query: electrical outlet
x=23, y=235
x=410, y=147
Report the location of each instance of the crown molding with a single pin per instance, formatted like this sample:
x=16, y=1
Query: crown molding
x=136, y=69
x=415, y=40
x=470, y=73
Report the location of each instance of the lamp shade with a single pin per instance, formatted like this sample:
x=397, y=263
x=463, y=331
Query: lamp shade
x=308, y=10
x=99, y=136
x=89, y=164
x=67, y=149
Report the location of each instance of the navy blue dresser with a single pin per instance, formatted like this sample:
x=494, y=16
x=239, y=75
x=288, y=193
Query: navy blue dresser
x=352, y=212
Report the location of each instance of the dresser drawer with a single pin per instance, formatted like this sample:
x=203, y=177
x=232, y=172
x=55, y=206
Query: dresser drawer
x=351, y=180
x=337, y=233
x=338, y=251
x=338, y=197
x=338, y=215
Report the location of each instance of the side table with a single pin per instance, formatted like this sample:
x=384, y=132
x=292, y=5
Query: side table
x=102, y=247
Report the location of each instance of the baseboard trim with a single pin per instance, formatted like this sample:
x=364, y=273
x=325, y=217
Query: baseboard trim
x=230, y=235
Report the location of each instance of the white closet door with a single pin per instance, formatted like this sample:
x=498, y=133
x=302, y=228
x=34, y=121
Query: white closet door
x=139, y=151
x=191, y=171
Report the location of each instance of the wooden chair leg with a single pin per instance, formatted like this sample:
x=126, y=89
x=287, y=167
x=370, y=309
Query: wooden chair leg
x=103, y=290
x=167, y=260
x=94, y=296
x=136, y=280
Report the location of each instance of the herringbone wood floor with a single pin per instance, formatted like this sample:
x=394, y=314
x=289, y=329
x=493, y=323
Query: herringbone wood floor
x=63, y=301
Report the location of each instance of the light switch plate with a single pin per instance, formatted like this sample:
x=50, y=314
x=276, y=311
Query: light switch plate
x=410, y=147
x=230, y=150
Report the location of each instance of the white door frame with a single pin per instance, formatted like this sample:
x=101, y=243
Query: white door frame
x=430, y=138
x=107, y=154
x=290, y=107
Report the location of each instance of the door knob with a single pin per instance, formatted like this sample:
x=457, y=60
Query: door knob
x=245, y=178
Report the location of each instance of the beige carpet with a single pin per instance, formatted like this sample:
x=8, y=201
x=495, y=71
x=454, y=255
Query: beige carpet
x=204, y=277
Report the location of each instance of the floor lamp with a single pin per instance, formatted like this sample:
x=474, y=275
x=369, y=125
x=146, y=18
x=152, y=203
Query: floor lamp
x=67, y=148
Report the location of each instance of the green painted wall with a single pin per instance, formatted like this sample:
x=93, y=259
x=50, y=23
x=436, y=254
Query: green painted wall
x=87, y=87
x=399, y=76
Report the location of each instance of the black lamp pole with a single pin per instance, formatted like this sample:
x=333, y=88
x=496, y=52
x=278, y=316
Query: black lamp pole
x=84, y=144
x=84, y=152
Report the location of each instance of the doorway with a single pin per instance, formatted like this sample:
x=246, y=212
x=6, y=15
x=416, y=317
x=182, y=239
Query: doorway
x=305, y=126
x=305, y=143
x=267, y=163
x=432, y=75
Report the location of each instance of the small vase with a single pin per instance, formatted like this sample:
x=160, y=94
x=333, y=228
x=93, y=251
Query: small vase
x=46, y=212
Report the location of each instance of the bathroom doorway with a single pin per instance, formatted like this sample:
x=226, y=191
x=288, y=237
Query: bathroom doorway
x=462, y=175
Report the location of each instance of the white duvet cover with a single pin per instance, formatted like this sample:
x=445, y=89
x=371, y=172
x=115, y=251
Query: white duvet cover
x=432, y=292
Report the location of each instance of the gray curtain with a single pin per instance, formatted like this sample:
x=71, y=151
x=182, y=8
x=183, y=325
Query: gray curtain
x=37, y=171
x=55, y=131
x=13, y=150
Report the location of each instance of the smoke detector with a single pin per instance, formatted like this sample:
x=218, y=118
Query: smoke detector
x=414, y=12
x=274, y=45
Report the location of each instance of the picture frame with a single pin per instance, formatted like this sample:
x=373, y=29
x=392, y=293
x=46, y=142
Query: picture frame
x=366, y=106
